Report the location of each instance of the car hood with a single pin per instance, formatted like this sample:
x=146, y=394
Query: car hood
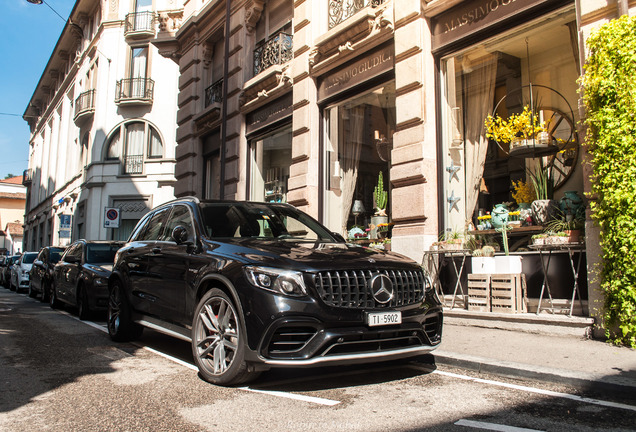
x=313, y=256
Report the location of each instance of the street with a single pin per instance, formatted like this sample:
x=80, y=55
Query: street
x=62, y=374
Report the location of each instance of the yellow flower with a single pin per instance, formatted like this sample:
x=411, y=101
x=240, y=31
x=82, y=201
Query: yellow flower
x=524, y=192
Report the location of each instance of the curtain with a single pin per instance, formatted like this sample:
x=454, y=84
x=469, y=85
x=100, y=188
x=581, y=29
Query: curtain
x=351, y=148
x=156, y=146
x=479, y=88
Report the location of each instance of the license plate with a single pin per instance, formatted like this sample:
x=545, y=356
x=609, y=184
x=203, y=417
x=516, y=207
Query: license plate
x=384, y=318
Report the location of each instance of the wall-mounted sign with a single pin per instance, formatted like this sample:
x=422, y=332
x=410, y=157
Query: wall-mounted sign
x=470, y=17
x=269, y=114
x=65, y=221
x=373, y=64
x=111, y=217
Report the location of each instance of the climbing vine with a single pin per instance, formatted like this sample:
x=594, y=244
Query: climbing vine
x=609, y=94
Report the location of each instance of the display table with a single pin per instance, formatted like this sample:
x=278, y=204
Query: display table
x=571, y=248
x=432, y=259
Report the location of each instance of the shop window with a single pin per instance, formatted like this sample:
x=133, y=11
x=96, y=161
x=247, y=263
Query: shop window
x=131, y=143
x=533, y=68
x=359, y=135
x=271, y=159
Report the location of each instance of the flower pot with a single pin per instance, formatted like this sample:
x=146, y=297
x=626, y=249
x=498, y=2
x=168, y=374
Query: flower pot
x=499, y=215
x=574, y=236
x=375, y=221
x=482, y=265
x=543, y=211
x=508, y=264
x=571, y=203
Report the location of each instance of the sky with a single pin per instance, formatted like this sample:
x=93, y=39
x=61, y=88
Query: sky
x=27, y=37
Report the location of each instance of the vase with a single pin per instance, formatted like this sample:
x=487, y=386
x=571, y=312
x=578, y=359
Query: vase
x=375, y=221
x=571, y=203
x=499, y=215
x=543, y=211
x=525, y=214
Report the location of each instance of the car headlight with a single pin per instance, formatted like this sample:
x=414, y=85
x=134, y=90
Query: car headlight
x=100, y=281
x=280, y=281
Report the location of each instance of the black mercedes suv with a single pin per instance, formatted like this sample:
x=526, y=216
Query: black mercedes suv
x=259, y=285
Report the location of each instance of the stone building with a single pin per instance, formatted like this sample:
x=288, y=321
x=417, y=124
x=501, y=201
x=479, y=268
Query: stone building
x=102, y=121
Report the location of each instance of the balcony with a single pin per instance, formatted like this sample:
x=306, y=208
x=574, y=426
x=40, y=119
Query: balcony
x=134, y=91
x=84, y=106
x=27, y=177
x=140, y=25
x=276, y=50
x=134, y=164
x=214, y=93
x=341, y=10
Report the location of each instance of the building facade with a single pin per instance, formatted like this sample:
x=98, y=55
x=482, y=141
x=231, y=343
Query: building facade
x=102, y=121
x=317, y=103
x=12, y=201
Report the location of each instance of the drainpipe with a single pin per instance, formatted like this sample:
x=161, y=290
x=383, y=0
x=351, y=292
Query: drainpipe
x=226, y=66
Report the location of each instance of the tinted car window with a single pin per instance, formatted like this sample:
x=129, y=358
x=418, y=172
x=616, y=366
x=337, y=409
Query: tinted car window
x=55, y=255
x=155, y=226
x=256, y=220
x=101, y=253
x=74, y=250
x=28, y=258
x=140, y=228
x=180, y=217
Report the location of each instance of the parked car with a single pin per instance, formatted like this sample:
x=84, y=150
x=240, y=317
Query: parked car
x=80, y=278
x=42, y=271
x=6, y=270
x=256, y=285
x=20, y=271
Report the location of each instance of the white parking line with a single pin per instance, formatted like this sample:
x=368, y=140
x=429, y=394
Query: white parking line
x=492, y=426
x=540, y=391
x=294, y=396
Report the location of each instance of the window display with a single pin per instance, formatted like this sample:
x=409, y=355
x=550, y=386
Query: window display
x=271, y=159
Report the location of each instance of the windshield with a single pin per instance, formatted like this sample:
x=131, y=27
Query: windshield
x=28, y=258
x=259, y=220
x=55, y=255
x=101, y=253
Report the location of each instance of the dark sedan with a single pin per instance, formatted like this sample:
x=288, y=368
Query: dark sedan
x=80, y=278
x=6, y=270
x=42, y=271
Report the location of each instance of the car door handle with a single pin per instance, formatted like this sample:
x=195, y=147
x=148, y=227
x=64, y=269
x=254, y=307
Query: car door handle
x=156, y=250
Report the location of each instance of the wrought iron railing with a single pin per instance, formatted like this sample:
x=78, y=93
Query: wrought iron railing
x=134, y=164
x=27, y=177
x=135, y=89
x=214, y=93
x=340, y=10
x=140, y=22
x=276, y=50
x=85, y=102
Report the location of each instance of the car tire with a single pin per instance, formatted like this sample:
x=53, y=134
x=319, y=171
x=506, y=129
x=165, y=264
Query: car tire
x=83, y=309
x=53, y=300
x=121, y=328
x=32, y=292
x=218, y=345
x=44, y=298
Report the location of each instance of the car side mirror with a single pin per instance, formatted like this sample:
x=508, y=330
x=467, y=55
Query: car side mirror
x=180, y=234
x=37, y=263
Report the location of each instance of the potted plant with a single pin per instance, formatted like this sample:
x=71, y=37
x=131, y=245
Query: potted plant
x=507, y=263
x=380, y=201
x=571, y=228
x=524, y=195
x=520, y=131
x=544, y=206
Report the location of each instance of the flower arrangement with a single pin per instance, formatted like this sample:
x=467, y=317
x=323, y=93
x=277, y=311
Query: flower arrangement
x=524, y=192
x=384, y=227
x=524, y=125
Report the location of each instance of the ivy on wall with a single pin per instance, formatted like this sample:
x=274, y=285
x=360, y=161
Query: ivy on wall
x=609, y=86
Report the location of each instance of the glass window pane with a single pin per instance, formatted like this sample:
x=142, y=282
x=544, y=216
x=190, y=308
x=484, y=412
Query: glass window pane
x=271, y=159
x=114, y=146
x=156, y=146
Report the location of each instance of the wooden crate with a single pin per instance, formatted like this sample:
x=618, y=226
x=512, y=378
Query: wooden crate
x=508, y=293
x=479, y=292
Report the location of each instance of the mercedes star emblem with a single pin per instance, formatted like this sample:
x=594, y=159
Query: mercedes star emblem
x=381, y=288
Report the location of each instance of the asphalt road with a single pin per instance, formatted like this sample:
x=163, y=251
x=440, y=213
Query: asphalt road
x=61, y=374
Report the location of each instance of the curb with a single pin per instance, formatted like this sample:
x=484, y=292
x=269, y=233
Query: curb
x=580, y=381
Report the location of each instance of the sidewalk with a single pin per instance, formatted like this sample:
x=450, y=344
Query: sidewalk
x=529, y=353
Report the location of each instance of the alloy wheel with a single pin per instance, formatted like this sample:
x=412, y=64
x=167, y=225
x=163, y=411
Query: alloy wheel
x=216, y=336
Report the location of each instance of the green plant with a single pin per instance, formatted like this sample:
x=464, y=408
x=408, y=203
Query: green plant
x=504, y=237
x=542, y=181
x=488, y=251
x=609, y=86
x=380, y=196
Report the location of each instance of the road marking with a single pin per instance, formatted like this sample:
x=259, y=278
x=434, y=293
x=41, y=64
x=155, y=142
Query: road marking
x=311, y=399
x=294, y=396
x=540, y=391
x=492, y=426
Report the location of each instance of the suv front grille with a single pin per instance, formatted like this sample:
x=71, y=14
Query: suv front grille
x=350, y=288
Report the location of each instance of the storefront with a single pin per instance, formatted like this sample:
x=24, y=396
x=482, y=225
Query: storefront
x=507, y=98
